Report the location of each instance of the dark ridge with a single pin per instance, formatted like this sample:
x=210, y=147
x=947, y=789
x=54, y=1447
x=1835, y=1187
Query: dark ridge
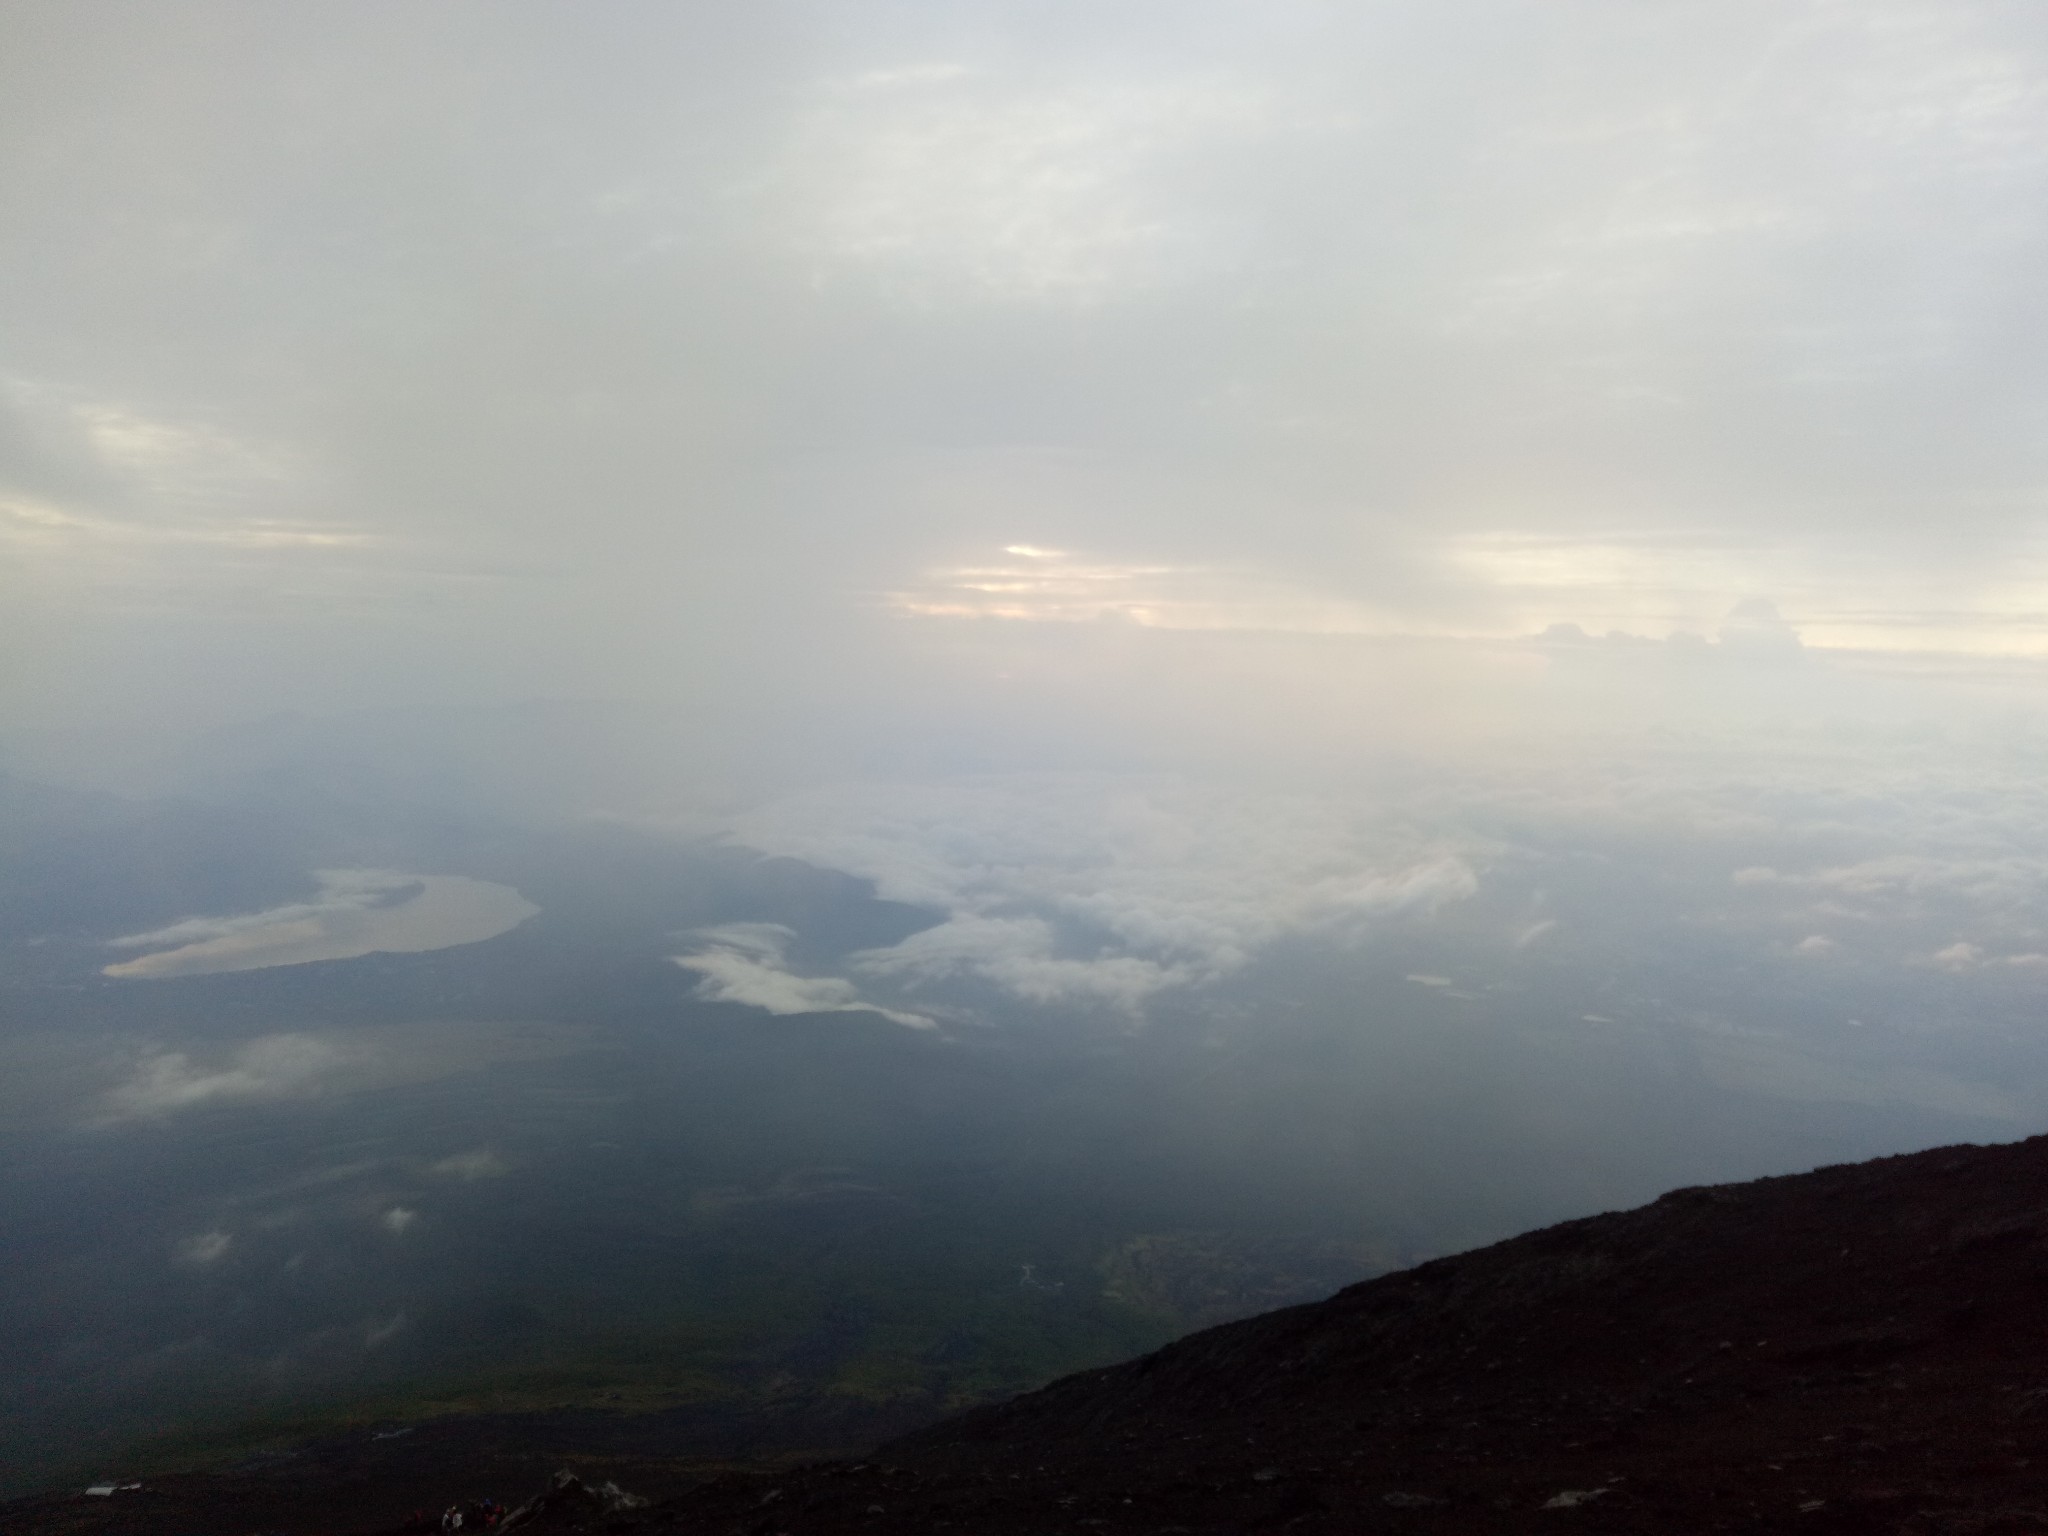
x=1859, y=1349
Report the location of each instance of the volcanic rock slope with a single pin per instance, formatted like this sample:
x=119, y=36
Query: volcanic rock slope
x=1858, y=1349
x=1863, y=1348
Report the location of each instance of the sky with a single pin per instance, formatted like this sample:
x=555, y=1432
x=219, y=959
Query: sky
x=790, y=361
x=791, y=419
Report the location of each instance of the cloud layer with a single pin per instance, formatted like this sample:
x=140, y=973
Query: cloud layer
x=1727, y=890
x=727, y=358
x=1104, y=892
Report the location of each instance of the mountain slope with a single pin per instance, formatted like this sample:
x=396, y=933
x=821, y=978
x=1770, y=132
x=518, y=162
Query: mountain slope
x=1859, y=1349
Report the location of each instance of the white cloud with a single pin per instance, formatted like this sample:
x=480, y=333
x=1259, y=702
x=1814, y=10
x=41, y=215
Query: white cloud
x=1918, y=899
x=952, y=177
x=1018, y=954
x=155, y=1077
x=762, y=941
x=1108, y=890
x=1998, y=881
x=1570, y=323
x=1662, y=596
x=179, y=508
x=270, y=1067
x=1755, y=630
x=1052, y=586
x=341, y=890
x=398, y=1220
x=1962, y=956
x=743, y=963
x=204, y=1248
x=482, y=1163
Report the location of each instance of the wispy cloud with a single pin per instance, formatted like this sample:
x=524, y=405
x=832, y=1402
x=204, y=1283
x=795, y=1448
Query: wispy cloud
x=949, y=176
x=1108, y=891
x=1050, y=586
x=203, y=1248
x=744, y=963
x=270, y=1067
x=481, y=1163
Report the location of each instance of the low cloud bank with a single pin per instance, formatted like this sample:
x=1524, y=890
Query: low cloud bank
x=1862, y=866
x=1108, y=891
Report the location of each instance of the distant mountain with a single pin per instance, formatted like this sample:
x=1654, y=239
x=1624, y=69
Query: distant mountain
x=1859, y=1349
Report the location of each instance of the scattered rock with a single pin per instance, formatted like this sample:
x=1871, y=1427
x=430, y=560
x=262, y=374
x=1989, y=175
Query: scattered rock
x=567, y=1501
x=1572, y=1498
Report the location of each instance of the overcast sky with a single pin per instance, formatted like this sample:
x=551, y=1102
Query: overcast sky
x=850, y=365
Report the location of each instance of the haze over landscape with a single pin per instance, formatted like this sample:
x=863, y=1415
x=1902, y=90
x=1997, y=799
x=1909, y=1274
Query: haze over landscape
x=790, y=715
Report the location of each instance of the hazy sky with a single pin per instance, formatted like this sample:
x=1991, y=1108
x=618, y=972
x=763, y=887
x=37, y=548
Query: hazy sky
x=851, y=365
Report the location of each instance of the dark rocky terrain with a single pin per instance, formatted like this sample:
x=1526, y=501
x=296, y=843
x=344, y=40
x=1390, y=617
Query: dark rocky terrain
x=1859, y=1349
